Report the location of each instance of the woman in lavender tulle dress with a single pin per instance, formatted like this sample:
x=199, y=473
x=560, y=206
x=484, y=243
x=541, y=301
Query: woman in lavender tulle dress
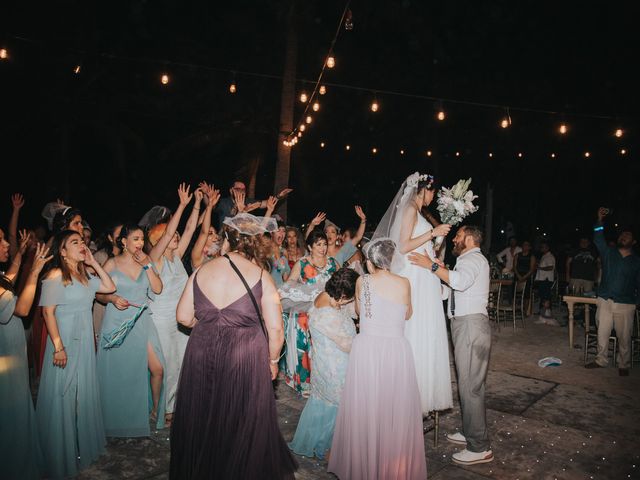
x=378, y=432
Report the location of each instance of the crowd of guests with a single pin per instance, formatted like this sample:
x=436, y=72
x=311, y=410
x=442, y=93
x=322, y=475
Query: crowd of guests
x=153, y=326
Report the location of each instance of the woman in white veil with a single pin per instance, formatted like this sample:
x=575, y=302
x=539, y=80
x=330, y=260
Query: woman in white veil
x=426, y=330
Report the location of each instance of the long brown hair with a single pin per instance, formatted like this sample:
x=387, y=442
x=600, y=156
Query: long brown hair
x=59, y=242
x=251, y=246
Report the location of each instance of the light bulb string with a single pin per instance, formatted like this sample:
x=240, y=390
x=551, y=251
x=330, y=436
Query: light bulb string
x=322, y=70
x=344, y=86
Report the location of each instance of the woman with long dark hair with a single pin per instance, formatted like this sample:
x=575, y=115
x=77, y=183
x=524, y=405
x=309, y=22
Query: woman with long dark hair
x=20, y=454
x=225, y=424
x=107, y=248
x=68, y=409
x=126, y=372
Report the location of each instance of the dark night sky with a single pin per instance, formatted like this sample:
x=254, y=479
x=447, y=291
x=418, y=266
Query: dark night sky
x=115, y=116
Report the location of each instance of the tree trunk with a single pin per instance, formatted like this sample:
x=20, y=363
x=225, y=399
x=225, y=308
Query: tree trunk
x=287, y=109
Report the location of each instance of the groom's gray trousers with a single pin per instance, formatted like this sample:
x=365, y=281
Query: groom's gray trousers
x=471, y=336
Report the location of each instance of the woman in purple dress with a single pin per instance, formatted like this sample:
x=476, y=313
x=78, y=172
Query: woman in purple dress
x=378, y=433
x=225, y=423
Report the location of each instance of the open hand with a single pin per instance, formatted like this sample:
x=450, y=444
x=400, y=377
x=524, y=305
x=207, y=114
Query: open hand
x=199, y=196
x=25, y=236
x=602, y=212
x=271, y=203
x=40, y=258
x=184, y=195
x=420, y=260
x=89, y=259
x=238, y=199
x=214, y=197
x=360, y=213
x=17, y=200
x=318, y=219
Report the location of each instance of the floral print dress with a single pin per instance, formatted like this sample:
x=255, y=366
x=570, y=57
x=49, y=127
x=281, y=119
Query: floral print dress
x=297, y=301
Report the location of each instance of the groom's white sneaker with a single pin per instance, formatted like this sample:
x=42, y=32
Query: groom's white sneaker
x=465, y=457
x=456, y=438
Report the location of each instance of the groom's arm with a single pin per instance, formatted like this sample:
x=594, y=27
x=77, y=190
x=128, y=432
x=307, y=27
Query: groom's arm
x=459, y=279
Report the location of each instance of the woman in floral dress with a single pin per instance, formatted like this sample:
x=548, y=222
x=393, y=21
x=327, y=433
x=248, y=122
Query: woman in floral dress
x=308, y=278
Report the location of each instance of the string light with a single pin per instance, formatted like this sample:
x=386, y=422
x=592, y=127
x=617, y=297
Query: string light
x=309, y=119
x=76, y=70
x=519, y=154
x=587, y=154
x=331, y=61
x=374, y=150
x=619, y=132
x=348, y=147
x=429, y=153
x=490, y=154
x=300, y=132
x=441, y=115
x=504, y=123
x=457, y=154
x=322, y=90
x=321, y=144
x=316, y=106
x=374, y=106
x=553, y=155
x=302, y=127
x=4, y=54
x=623, y=152
x=401, y=152
x=233, y=88
x=562, y=129
x=303, y=97
x=164, y=79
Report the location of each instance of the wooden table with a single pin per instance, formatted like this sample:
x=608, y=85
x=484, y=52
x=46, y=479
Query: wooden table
x=571, y=300
x=505, y=282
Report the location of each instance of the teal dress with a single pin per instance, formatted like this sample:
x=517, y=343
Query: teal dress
x=68, y=408
x=332, y=332
x=20, y=454
x=123, y=371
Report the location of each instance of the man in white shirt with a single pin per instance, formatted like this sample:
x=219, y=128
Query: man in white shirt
x=505, y=257
x=471, y=334
x=544, y=280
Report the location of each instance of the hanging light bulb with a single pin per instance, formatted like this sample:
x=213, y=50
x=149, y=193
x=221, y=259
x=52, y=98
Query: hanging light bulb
x=348, y=147
x=504, y=123
x=309, y=119
x=429, y=153
x=164, y=79
x=623, y=152
x=233, y=88
x=303, y=97
x=562, y=129
x=348, y=21
x=490, y=154
x=519, y=155
x=321, y=144
x=457, y=154
x=374, y=150
x=401, y=152
x=316, y=106
x=587, y=154
x=299, y=134
x=302, y=127
x=375, y=106
x=553, y=155
x=322, y=90
x=76, y=70
x=285, y=143
x=4, y=54
x=441, y=115
x=331, y=61
x=619, y=132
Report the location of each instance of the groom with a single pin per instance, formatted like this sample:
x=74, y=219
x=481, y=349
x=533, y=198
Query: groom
x=471, y=333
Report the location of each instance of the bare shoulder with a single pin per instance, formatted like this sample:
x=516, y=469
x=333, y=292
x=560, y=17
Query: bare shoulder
x=53, y=274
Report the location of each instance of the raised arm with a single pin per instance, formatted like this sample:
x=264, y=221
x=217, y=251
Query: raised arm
x=192, y=223
x=272, y=314
x=363, y=225
x=25, y=299
x=172, y=226
x=598, y=234
x=17, y=202
x=16, y=259
x=197, y=253
x=317, y=220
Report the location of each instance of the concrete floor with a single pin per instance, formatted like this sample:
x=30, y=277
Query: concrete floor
x=563, y=422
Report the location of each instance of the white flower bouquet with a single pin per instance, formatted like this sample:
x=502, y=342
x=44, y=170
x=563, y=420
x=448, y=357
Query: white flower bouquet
x=455, y=203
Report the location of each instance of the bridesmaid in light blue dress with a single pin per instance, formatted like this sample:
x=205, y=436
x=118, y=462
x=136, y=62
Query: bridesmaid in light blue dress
x=68, y=408
x=332, y=330
x=20, y=454
x=131, y=375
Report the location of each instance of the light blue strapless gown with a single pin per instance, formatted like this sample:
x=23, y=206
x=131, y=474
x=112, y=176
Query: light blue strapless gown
x=68, y=408
x=20, y=454
x=123, y=371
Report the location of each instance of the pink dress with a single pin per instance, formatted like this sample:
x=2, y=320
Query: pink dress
x=378, y=433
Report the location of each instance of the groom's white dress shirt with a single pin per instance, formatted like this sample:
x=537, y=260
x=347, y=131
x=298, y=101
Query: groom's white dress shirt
x=470, y=279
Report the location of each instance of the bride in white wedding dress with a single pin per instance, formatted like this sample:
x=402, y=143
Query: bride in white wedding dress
x=426, y=329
